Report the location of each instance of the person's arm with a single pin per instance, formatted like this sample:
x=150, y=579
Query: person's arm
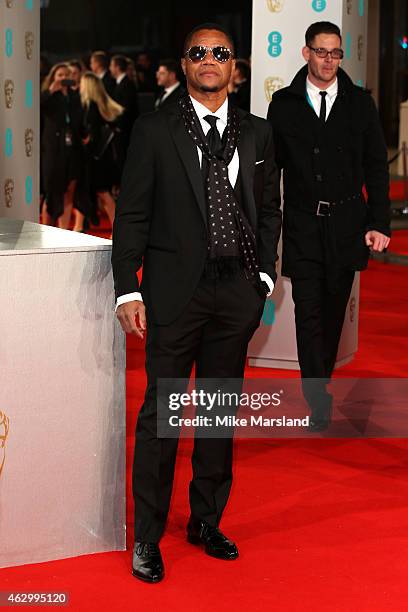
x=132, y=220
x=270, y=215
x=376, y=175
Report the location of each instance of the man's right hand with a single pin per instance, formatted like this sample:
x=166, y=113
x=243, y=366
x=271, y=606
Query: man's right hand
x=132, y=317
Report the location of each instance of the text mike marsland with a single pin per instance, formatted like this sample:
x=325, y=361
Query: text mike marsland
x=233, y=421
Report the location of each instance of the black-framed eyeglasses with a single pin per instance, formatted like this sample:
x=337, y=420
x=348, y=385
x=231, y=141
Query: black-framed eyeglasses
x=322, y=52
x=198, y=53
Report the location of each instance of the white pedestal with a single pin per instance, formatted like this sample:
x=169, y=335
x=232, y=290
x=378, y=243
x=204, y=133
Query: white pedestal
x=62, y=397
x=274, y=343
x=403, y=134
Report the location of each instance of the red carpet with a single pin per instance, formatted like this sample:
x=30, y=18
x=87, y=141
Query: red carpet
x=399, y=243
x=321, y=524
x=397, y=191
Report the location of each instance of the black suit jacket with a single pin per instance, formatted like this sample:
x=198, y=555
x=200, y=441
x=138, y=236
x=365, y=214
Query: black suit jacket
x=173, y=98
x=330, y=164
x=126, y=95
x=109, y=83
x=161, y=216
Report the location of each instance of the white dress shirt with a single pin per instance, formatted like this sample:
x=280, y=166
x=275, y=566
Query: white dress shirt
x=120, y=78
x=168, y=91
x=315, y=99
x=233, y=169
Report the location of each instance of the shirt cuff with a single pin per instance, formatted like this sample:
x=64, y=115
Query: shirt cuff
x=267, y=279
x=128, y=297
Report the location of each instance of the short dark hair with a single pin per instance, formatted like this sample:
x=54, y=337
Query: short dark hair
x=121, y=62
x=102, y=59
x=170, y=64
x=321, y=27
x=207, y=26
x=75, y=64
x=244, y=67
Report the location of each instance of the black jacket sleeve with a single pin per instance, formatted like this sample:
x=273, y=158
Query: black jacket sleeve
x=376, y=175
x=133, y=211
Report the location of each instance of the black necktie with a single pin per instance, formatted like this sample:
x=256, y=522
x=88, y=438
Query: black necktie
x=322, y=115
x=213, y=135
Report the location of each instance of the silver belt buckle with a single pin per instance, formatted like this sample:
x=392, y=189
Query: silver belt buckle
x=321, y=211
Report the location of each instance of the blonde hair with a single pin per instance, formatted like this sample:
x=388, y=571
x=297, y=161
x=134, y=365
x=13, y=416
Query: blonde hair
x=92, y=90
x=49, y=79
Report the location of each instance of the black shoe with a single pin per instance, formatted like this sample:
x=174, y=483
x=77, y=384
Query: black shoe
x=216, y=544
x=320, y=425
x=320, y=421
x=147, y=562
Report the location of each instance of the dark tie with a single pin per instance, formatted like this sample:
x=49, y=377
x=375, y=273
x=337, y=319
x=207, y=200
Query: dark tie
x=213, y=135
x=322, y=115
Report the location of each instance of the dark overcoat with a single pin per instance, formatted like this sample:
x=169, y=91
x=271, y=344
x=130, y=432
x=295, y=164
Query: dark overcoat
x=331, y=162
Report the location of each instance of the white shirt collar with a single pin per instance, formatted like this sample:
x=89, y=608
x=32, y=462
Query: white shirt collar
x=169, y=90
x=202, y=111
x=312, y=90
x=120, y=78
x=102, y=74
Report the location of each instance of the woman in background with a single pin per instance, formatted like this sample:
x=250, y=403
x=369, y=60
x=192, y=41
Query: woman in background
x=61, y=145
x=100, y=115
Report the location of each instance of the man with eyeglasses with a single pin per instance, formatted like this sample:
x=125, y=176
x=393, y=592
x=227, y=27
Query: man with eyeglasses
x=200, y=204
x=330, y=145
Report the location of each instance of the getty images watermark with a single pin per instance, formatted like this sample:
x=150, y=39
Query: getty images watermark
x=276, y=408
x=222, y=404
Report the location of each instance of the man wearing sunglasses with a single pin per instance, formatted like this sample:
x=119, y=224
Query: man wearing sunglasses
x=329, y=144
x=200, y=204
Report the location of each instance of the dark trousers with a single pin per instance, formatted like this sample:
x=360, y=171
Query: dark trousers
x=213, y=332
x=319, y=317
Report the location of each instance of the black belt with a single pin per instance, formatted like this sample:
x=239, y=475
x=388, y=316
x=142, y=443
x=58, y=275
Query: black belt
x=324, y=208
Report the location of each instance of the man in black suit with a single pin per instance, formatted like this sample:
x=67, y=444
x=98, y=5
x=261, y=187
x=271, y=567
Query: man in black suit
x=200, y=205
x=99, y=64
x=240, y=86
x=126, y=95
x=171, y=88
x=329, y=144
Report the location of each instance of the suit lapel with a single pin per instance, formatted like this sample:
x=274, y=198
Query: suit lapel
x=247, y=158
x=188, y=154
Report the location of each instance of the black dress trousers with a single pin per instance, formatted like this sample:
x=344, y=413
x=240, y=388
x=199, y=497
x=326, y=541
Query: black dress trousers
x=213, y=333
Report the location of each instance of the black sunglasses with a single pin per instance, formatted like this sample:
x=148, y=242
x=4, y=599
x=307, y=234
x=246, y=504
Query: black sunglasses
x=322, y=52
x=198, y=52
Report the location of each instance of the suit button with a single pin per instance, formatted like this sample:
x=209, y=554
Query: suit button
x=319, y=178
x=340, y=149
x=340, y=177
x=316, y=150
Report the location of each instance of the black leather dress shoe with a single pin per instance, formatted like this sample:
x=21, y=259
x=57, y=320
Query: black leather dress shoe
x=147, y=562
x=320, y=421
x=216, y=544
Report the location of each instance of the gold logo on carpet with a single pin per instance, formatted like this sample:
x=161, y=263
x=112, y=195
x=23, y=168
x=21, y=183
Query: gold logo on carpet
x=275, y=6
x=271, y=85
x=9, y=3
x=349, y=5
x=4, y=430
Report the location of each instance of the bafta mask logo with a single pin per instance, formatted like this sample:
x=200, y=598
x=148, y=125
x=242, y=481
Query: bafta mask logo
x=4, y=430
x=28, y=141
x=275, y=6
x=9, y=93
x=9, y=3
x=29, y=44
x=271, y=85
x=352, y=308
x=360, y=47
x=8, y=192
x=349, y=6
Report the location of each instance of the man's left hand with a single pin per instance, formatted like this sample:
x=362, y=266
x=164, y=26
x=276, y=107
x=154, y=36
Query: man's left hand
x=376, y=241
